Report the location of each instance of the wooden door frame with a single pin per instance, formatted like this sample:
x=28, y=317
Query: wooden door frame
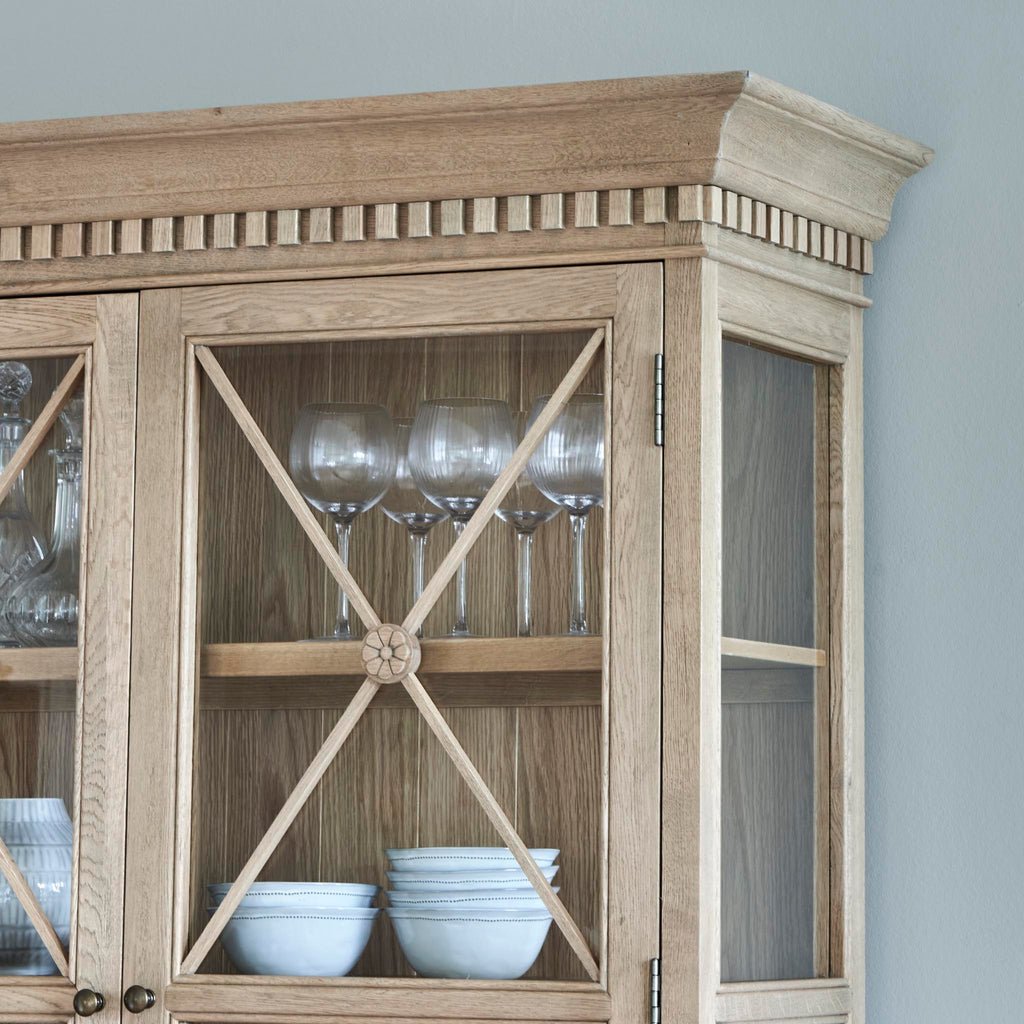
x=630, y=296
x=105, y=329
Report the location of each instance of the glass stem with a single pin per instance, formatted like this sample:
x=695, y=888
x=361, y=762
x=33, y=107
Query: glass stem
x=418, y=540
x=460, y=628
x=577, y=601
x=341, y=626
x=524, y=547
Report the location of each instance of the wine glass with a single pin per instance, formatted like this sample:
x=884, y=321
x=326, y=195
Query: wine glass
x=342, y=459
x=457, y=448
x=568, y=466
x=406, y=504
x=525, y=508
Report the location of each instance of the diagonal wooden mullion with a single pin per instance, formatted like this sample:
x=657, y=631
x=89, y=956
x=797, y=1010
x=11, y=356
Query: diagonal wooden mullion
x=27, y=898
x=501, y=486
x=41, y=427
x=283, y=481
x=500, y=820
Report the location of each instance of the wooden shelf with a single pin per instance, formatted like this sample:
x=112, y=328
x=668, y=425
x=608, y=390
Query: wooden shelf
x=477, y=671
x=754, y=654
x=38, y=678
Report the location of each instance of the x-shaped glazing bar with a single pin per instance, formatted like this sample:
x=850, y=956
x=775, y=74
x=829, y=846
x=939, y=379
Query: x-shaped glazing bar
x=365, y=694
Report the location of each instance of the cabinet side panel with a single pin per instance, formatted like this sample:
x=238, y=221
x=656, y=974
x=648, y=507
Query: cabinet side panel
x=155, y=606
x=691, y=760
x=106, y=637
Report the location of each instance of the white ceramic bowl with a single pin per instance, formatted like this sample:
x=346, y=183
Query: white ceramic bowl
x=470, y=944
x=449, y=881
x=298, y=941
x=50, y=809
x=462, y=858
x=300, y=894
x=469, y=899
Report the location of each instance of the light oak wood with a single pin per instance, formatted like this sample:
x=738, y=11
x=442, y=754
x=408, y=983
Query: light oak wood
x=552, y=211
x=225, y=231
x=72, y=240
x=691, y=636
x=519, y=211
x=453, y=217
x=132, y=236
x=485, y=215
x=419, y=220
x=149, y=874
x=321, y=224
x=769, y=652
x=42, y=245
x=39, y=430
x=470, y=657
x=386, y=221
x=101, y=233
x=586, y=208
x=162, y=234
x=36, y=1000
x=195, y=999
x=12, y=244
x=353, y=225
x=823, y=1002
x=289, y=227
x=620, y=206
x=257, y=229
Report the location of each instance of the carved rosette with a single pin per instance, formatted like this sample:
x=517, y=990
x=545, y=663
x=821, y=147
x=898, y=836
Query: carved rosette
x=390, y=653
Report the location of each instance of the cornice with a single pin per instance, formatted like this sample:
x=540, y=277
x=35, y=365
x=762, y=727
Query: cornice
x=737, y=131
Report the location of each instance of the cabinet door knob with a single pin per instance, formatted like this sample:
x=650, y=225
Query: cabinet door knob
x=137, y=999
x=87, y=1002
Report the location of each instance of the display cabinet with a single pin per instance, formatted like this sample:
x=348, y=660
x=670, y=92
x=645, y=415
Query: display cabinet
x=469, y=472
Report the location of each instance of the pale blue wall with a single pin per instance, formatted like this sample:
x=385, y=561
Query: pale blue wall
x=944, y=365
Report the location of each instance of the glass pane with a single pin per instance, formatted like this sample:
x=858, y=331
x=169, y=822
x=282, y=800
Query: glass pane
x=275, y=676
x=767, y=497
x=39, y=554
x=774, y=701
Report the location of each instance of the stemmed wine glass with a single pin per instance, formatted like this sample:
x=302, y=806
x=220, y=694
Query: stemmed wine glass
x=457, y=448
x=525, y=507
x=568, y=466
x=342, y=459
x=407, y=505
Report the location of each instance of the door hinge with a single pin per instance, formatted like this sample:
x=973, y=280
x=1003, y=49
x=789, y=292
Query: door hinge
x=659, y=400
x=655, y=1015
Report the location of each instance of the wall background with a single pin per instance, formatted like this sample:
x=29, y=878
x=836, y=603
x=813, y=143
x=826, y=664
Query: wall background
x=944, y=365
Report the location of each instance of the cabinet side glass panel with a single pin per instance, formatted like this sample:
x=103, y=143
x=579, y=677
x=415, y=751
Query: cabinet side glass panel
x=275, y=675
x=774, y=683
x=39, y=553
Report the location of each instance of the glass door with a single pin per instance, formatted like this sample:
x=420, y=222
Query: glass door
x=67, y=372
x=776, y=871
x=419, y=656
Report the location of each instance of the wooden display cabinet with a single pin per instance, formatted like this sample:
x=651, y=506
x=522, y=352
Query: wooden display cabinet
x=691, y=248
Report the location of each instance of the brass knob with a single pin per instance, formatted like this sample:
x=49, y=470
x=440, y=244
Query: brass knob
x=88, y=1002
x=137, y=999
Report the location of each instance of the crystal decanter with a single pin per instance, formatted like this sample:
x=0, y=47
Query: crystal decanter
x=21, y=541
x=43, y=607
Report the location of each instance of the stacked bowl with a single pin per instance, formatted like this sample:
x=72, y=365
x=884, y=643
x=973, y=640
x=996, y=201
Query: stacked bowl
x=38, y=834
x=468, y=911
x=310, y=929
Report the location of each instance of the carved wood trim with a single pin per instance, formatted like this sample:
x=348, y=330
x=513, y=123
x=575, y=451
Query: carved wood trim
x=380, y=223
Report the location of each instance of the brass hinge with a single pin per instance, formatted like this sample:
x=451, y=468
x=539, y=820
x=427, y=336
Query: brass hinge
x=655, y=1015
x=659, y=400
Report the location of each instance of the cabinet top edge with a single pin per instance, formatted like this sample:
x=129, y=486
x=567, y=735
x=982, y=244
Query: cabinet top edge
x=725, y=86
x=736, y=130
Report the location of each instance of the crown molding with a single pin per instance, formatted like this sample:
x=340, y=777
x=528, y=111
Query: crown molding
x=735, y=130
